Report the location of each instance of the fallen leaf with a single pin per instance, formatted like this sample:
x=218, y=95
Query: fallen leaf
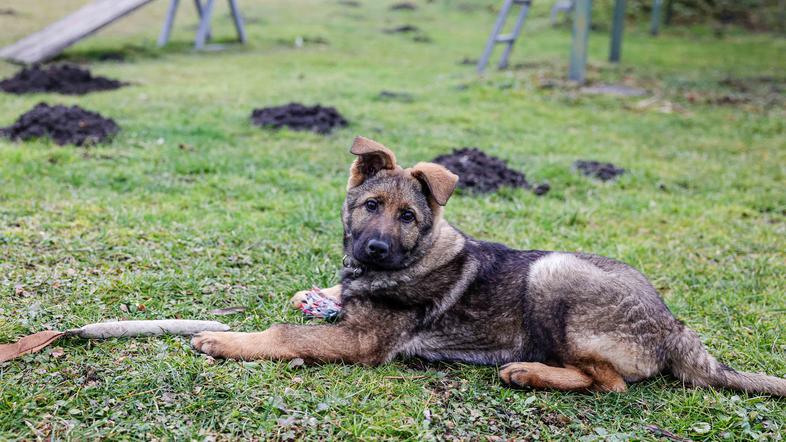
x=286, y=422
x=58, y=352
x=227, y=311
x=701, y=428
x=28, y=344
x=297, y=362
x=660, y=432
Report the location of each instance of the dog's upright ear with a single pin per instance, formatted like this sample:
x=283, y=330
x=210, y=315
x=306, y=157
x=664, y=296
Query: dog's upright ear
x=439, y=181
x=372, y=157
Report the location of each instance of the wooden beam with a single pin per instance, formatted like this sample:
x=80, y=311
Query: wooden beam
x=61, y=34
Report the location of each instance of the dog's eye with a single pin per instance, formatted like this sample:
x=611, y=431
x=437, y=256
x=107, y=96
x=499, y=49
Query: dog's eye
x=372, y=205
x=407, y=216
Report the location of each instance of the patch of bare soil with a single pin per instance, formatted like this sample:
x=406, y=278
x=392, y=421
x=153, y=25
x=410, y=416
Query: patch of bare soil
x=403, y=6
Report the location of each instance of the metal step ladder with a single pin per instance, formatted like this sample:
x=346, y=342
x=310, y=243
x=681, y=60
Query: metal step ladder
x=507, y=39
x=205, y=11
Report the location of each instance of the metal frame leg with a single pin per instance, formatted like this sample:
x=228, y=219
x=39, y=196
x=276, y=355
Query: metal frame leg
x=198, y=5
x=582, y=14
x=204, y=25
x=166, y=31
x=503, y=61
x=615, y=52
x=239, y=26
x=503, y=14
x=565, y=6
x=655, y=24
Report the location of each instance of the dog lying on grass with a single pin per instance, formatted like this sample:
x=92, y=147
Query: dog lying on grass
x=413, y=285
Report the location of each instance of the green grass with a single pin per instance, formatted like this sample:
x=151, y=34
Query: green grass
x=190, y=208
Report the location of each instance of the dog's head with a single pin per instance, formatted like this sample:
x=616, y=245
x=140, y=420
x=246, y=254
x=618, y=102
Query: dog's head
x=390, y=212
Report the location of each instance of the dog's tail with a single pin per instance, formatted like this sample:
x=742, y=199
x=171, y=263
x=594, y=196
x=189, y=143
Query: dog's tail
x=691, y=363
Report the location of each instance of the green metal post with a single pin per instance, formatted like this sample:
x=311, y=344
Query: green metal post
x=582, y=13
x=616, y=31
x=655, y=25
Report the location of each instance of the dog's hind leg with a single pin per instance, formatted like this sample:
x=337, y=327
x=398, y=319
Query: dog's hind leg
x=537, y=375
x=598, y=376
x=604, y=377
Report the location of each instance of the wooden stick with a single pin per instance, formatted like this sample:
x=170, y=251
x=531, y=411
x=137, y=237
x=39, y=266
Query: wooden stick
x=122, y=329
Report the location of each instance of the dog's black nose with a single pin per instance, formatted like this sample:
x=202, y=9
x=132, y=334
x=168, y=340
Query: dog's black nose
x=377, y=249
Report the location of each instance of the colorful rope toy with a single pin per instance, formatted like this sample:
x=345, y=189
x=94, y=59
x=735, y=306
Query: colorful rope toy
x=316, y=305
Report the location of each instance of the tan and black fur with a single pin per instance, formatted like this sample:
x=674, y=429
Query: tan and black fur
x=413, y=285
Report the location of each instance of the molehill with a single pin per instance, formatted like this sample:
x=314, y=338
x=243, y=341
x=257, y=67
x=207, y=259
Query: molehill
x=63, y=124
x=601, y=171
x=63, y=78
x=482, y=173
x=319, y=119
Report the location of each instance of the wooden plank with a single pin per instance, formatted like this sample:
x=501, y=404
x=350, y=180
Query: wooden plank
x=53, y=39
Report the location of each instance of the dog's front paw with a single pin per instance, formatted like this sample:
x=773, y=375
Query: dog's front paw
x=515, y=374
x=216, y=344
x=299, y=299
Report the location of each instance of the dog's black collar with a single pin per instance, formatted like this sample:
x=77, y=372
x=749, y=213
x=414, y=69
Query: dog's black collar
x=352, y=268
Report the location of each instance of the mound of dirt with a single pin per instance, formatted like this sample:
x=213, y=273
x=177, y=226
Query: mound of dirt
x=404, y=97
x=63, y=78
x=403, y=6
x=601, y=171
x=403, y=29
x=483, y=173
x=64, y=125
x=319, y=119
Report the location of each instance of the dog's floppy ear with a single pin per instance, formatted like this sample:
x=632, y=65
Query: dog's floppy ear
x=440, y=181
x=372, y=157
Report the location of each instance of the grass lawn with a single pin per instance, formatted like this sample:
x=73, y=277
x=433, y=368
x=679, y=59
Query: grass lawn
x=191, y=208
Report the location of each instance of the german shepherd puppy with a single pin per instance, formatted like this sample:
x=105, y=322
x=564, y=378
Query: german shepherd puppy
x=414, y=285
